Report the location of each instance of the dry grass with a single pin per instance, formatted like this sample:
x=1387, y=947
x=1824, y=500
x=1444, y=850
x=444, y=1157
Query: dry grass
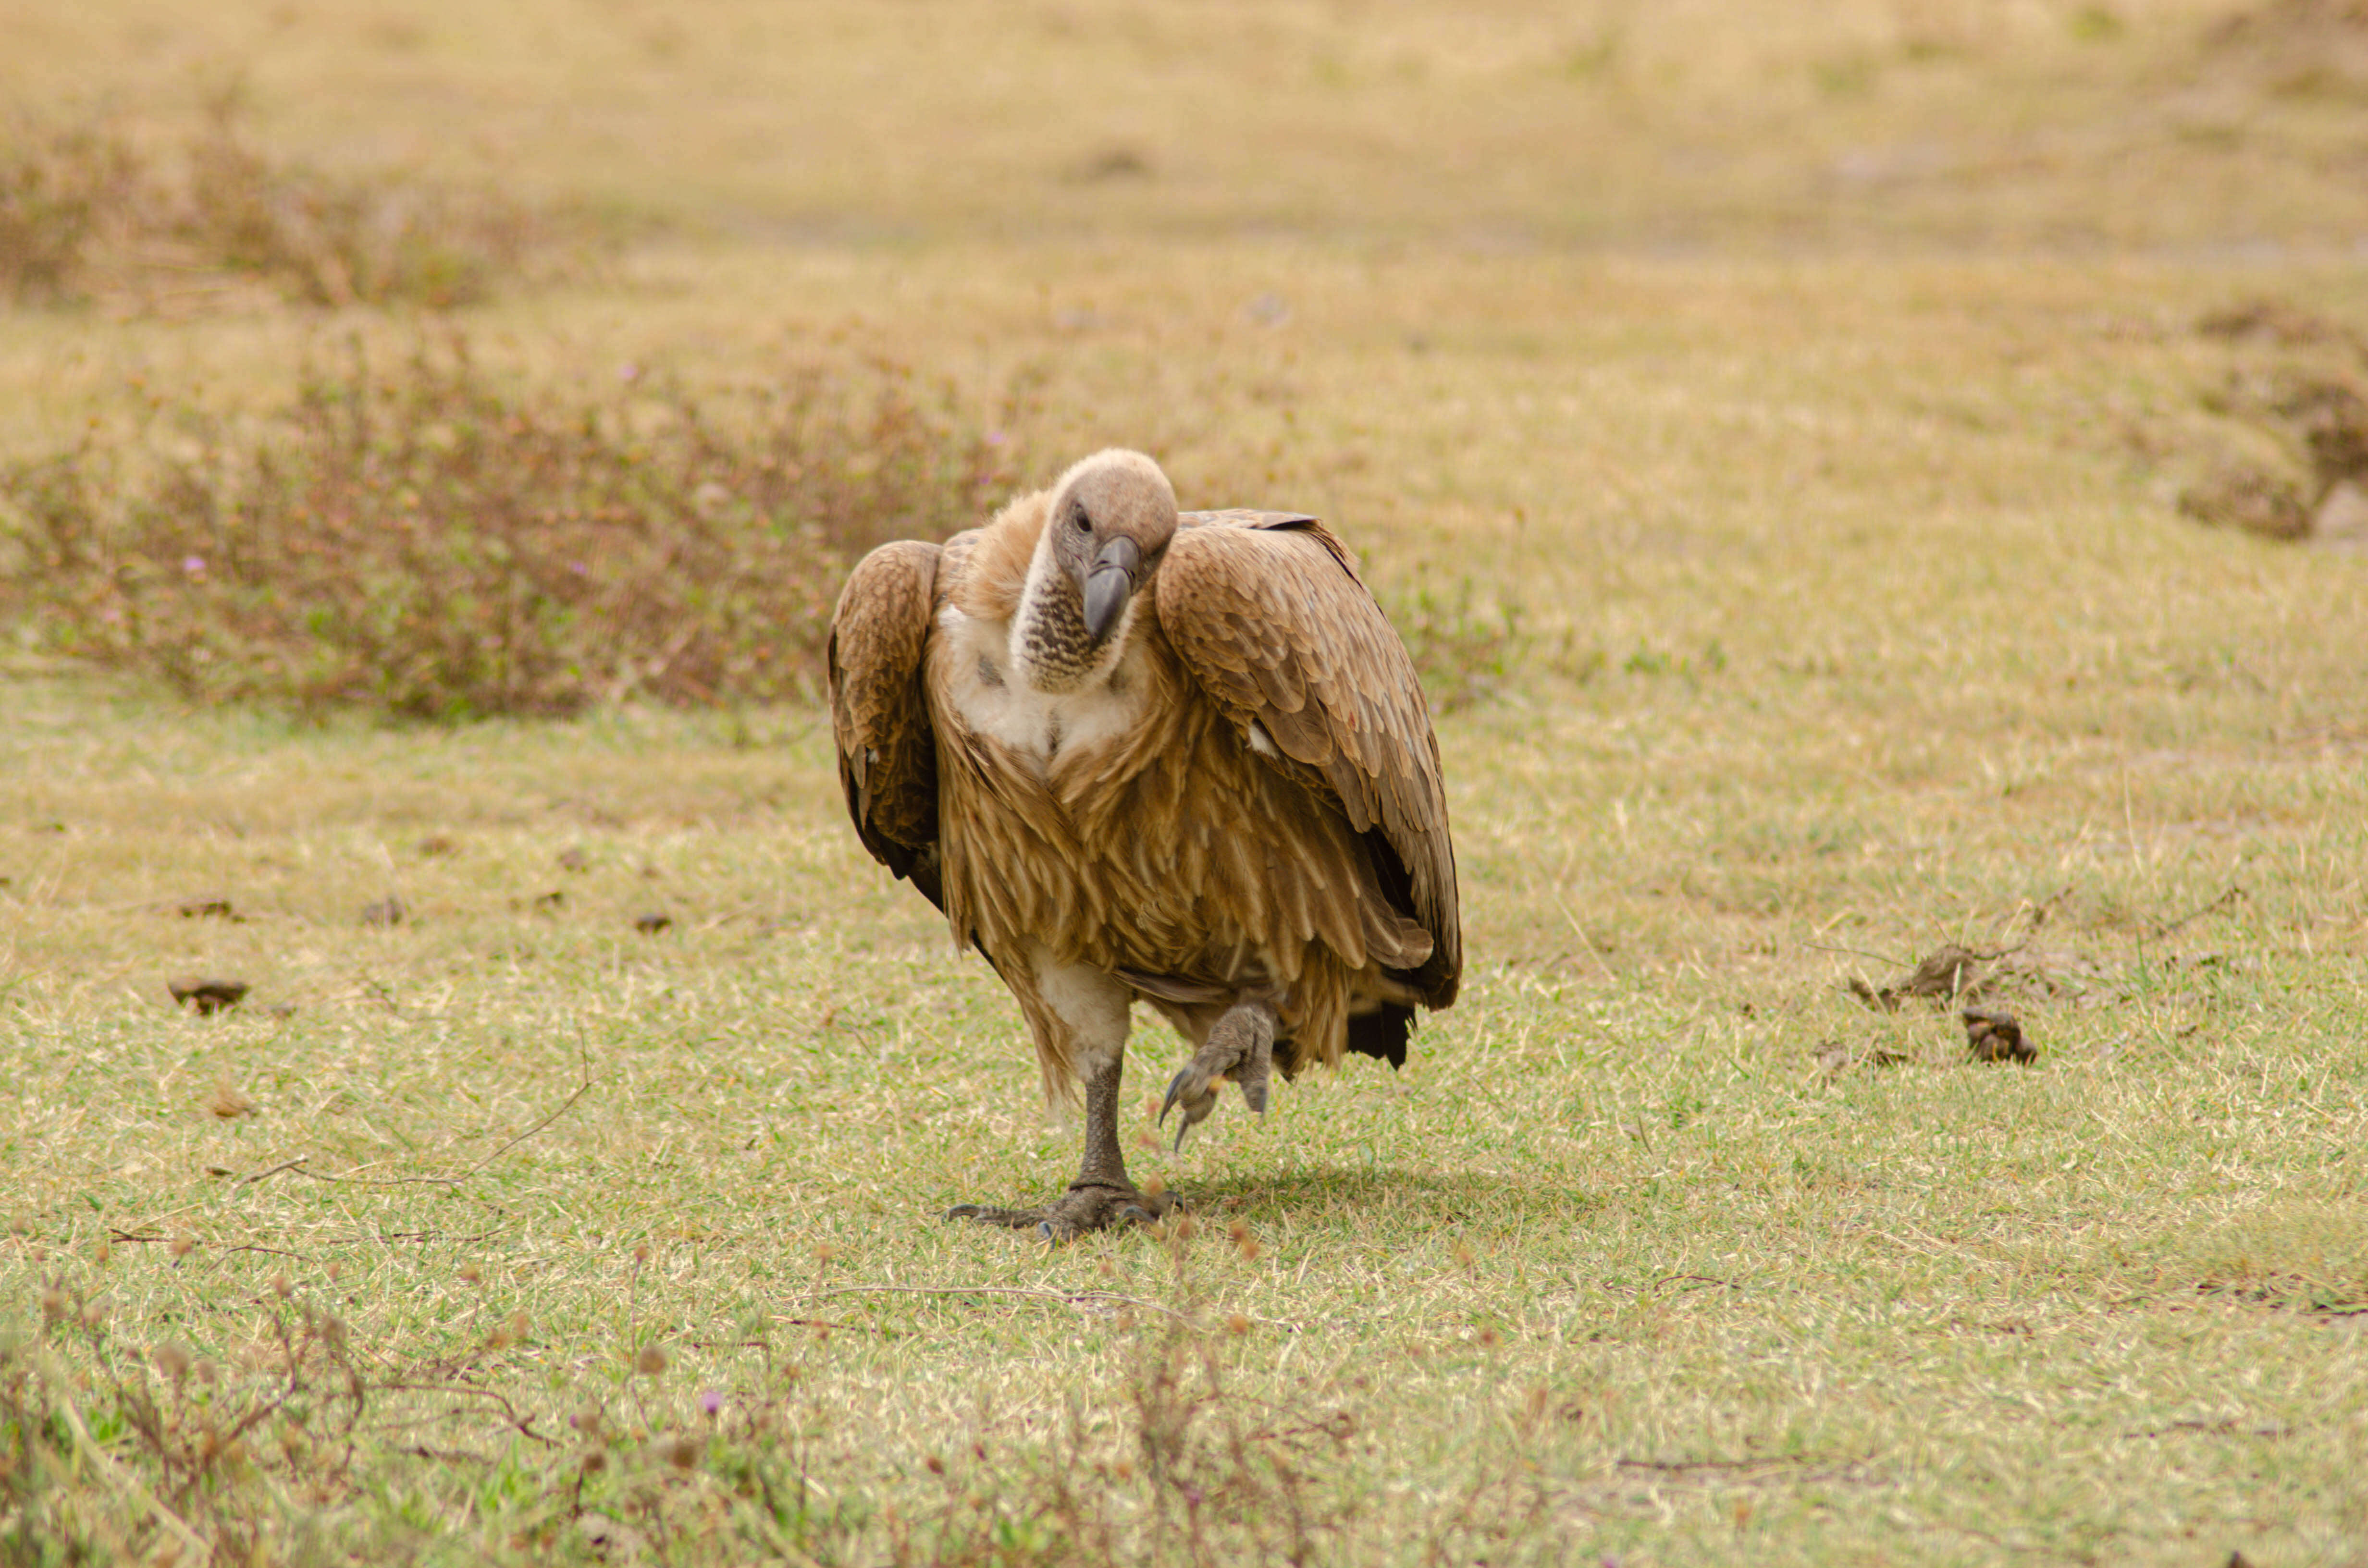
x=1830, y=609
x=2139, y=122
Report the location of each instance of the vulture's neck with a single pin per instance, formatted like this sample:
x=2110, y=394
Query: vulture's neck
x=1049, y=648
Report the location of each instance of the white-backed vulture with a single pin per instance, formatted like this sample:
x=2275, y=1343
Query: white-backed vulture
x=1138, y=754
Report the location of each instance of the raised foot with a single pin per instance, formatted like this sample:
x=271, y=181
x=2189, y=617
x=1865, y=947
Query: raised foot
x=1089, y=1206
x=1240, y=1047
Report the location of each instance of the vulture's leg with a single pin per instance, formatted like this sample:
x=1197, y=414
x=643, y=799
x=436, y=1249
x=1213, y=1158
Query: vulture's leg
x=1240, y=1047
x=1102, y=1193
x=1091, y=1010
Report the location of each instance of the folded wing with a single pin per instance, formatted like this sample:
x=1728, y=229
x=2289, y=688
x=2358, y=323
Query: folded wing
x=1268, y=614
x=879, y=716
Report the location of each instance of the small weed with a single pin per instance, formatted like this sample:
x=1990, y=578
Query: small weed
x=170, y=1448
x=1646, y=660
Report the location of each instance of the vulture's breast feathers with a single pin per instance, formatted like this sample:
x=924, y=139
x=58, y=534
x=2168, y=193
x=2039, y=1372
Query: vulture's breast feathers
x=986, y=693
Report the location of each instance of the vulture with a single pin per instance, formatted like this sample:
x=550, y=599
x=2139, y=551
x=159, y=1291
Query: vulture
x=1139, y=754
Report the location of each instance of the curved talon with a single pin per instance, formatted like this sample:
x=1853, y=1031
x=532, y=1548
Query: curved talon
x=1044, y=1228
x=1190, y=1092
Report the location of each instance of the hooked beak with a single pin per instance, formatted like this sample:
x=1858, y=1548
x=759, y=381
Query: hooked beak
x=1109, y=585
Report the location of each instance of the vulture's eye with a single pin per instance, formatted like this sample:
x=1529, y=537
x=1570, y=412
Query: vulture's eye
x=1085, y=524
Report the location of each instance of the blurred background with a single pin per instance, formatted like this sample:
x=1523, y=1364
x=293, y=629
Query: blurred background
x=2185, y=125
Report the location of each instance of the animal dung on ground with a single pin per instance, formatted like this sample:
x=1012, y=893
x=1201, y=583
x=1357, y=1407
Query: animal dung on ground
x=211, y=906
x=575, y=859
x=202, y=995
x=650, y=925
x=388, y=911
x=434, y=845
x=548, y=902
x=1951, y=973
x=1115, y=162
x=1992, y=1035
x=229, y=1103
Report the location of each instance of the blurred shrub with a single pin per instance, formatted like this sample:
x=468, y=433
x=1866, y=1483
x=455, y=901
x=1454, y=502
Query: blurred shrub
x=86, y=209
x=61, y=187
x=425, y=540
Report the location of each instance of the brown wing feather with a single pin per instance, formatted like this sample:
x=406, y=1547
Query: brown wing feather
x=887, y=753
x=1268, y=613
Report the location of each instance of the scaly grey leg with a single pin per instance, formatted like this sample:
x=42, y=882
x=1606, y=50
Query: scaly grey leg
x=1103, y=1192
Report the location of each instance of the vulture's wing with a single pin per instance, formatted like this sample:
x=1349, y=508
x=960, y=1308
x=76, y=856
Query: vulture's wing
x=887, y=753
x=1268, y=613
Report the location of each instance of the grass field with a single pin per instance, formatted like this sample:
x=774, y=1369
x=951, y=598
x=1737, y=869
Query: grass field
x=1810, y=544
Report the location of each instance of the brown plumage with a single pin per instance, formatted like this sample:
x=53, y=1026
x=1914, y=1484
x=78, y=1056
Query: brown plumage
x=1134, y=754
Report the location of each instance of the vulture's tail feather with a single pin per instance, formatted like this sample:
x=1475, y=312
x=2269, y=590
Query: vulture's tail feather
x=1382, y=1032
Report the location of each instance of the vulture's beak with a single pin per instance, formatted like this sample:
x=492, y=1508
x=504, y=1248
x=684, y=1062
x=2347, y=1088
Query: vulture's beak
x=1109, y=585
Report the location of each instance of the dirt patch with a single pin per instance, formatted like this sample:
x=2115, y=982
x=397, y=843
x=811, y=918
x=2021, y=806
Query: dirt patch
x=2276, y=323
x=2028, y=971
x=1834, y=1057
x=2299, y=471
x=1950, y=973
x=2254, y=500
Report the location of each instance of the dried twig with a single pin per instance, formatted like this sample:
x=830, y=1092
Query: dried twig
x=135, y=1238
x=1698, y=1279
x=452, y=1181
x=2233, y=893
x=525, y=1423
x=265, y=1175
x=1856, y=953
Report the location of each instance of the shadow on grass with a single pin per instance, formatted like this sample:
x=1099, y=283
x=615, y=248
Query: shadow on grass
x=1403, y=1195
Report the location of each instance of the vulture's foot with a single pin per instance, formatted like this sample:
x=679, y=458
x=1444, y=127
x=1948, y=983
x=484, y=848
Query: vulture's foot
x=1089, y=1206
x=1240, y=1047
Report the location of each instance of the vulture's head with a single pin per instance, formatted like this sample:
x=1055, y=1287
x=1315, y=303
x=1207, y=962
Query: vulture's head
x=1109, y=522
x=1106, y=529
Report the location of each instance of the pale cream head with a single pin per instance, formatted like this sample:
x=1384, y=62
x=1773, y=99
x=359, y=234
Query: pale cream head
x=1106, y=526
